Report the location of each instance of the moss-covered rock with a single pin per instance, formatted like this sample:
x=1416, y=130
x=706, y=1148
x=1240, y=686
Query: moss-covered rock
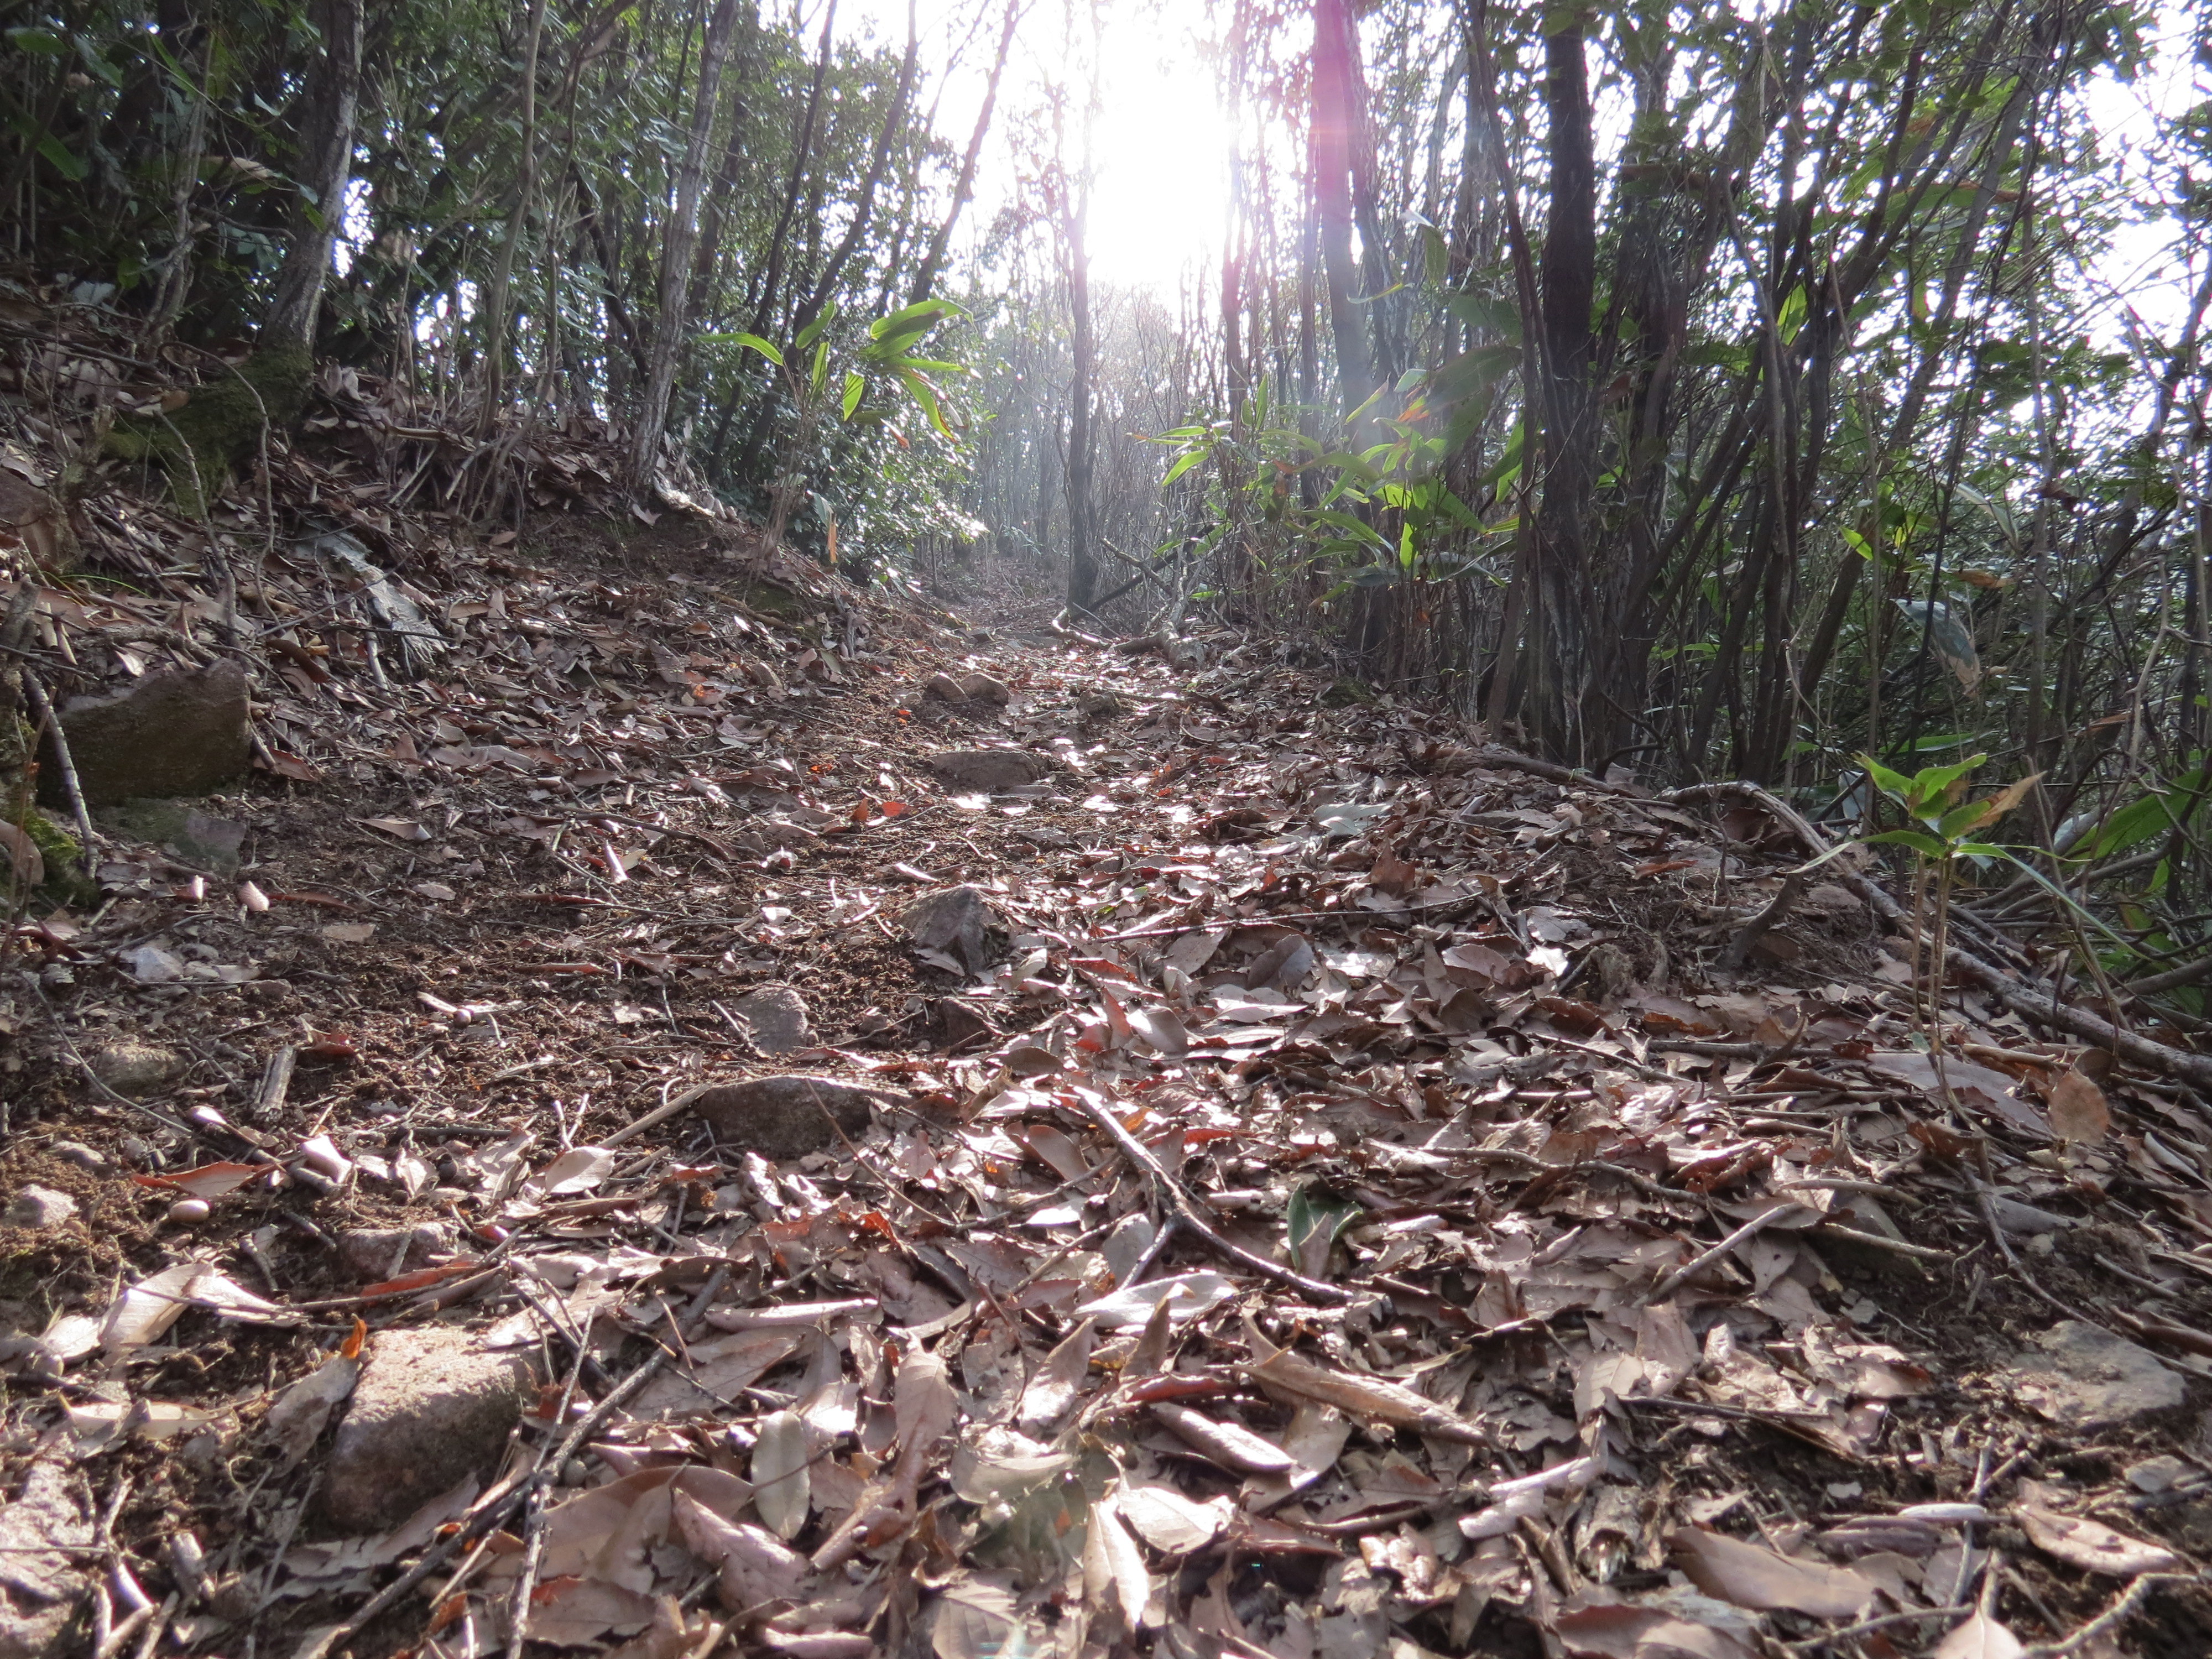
x=66, y=882
x=198, y=443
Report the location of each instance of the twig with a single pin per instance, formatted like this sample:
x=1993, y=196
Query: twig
x=275, y=1084
x=1674, y=1281
x=1185, y=1211
x=1881, y=1242
x=1868, y=1626
x=49, y=723
x=1752, y=931
x=2112, y=1617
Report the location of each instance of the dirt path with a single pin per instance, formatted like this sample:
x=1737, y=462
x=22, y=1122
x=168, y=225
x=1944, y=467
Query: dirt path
x=1272, y=1204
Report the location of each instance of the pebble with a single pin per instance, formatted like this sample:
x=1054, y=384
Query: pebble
x=189, y=1210
x=38, y=1209
x=76, y=1152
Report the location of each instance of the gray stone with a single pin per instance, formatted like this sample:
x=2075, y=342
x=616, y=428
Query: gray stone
x=955, y=923
x=2157, y=1475
x=76, y=1152
x=431, y=1407
x=986, y=768
x=982, y=687
x=137, y=1069
x=177, y=733
x=373, y=1254
x=2087, y=1379
x=45, y=1539
x=777, y=1017
x=784, y=1118
x=182, y=829
x=36, y=1209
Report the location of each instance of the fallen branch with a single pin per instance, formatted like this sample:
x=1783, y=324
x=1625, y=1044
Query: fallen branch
x=50, y=724
x=1793, y=885
x=1184, y=1211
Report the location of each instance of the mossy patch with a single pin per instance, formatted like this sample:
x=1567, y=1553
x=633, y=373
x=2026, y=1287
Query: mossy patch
x=198, y=444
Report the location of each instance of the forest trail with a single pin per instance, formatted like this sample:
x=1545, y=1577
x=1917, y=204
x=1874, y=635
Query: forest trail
x=1279, y=1177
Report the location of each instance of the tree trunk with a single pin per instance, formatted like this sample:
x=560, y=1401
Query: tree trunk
x=502, y=275
x=677, y=243
x=1560, y=661
x=965, y=187
x=1082, y=550
x=326, y=163
x=1333, y=111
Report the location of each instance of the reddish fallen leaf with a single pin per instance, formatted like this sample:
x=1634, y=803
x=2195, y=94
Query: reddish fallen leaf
x=208, y=1181
x=421, y=1279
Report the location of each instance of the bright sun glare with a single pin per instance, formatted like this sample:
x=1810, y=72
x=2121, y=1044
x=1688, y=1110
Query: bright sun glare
x=1159, y=150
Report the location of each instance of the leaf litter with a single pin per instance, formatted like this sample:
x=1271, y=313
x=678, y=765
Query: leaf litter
x=1295, y=1181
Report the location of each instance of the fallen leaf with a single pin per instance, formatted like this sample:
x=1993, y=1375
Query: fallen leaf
x=1980, y=1637
x=758, y=1569
x=2092, y=1546
x=1169, y=1522
x=348, y=933
x=2077, y=1109
x=1753, y=1576
x=300, y=1414
x=782, y=1492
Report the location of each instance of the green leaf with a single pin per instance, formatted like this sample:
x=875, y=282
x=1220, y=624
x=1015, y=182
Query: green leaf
x=1895, y=785
x=1313, y=1212
x=1184, y=463
x=752, y=341
x=855, y=387
x=814, y=330
x=818, y=376
x=1921, y=843
x=1930, y=783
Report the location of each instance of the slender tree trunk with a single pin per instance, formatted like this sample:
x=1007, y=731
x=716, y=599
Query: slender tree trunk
x=332, y=92
x=1082, y=549
x=502, y=274
x=677, y=244
x=965, y=187
x=1334, y=113
x=863, y=208
x=1560, y=662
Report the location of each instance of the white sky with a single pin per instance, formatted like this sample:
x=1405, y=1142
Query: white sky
x=1161, y=145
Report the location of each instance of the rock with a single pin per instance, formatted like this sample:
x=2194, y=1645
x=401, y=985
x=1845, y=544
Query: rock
x=45, y=1536
x=777, y=1017
x=76, y=1152
x=36, y=1209
x=373, y=1254
x=411, y=643
x=981, y=688
x=177, y=733
x=2157, y=1475
x=784, y=1118
x=2026, y=1219
x=986, y=768
x=431, y=1406
x=955, y=924
x=137, y=1069
x=2087, y=1379
x=182, y=829
x=943, y=686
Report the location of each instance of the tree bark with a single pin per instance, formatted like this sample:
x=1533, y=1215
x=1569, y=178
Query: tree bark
x=1334, y=113
x=965, y=187
x=333, y=90
x=677, y=243
x=1560, y=661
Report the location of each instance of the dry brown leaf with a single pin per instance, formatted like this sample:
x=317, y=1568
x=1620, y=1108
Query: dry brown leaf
x=759, y=1570
x=300, y=1414
x=1980, y=1637
x=2077, y=1109
x=1231, y=1445
x=1753, y=1576
x=1371, y=1397
x=1113, y=1565
x=1623, y=1631
x=1169, y=1522
x=2092, y=1546
x=574, y=1613
x=1057, y=1383
x=782, y=1492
